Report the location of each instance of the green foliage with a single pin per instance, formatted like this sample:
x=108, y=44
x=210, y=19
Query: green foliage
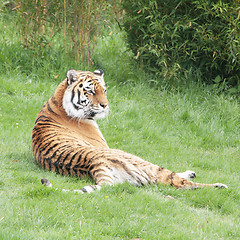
x=55, y=31
x=50, y=61
x=113, y=47
x=79, y=22
x=173, y=36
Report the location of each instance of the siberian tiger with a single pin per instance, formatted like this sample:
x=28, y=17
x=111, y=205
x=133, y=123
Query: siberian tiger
x=66, y=139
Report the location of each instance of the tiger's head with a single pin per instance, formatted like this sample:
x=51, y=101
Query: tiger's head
x=85, y=95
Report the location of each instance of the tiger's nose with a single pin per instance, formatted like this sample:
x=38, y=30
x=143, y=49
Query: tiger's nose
x=103, y=105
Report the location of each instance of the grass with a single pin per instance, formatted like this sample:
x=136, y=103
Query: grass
x=180, y=129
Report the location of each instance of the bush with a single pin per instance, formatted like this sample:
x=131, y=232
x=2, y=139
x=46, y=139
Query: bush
x=47, y=62
x=173, y=36
x=40, y=21
x=53, y=36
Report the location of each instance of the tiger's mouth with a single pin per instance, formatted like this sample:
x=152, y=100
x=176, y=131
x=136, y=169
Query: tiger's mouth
x=98, y=113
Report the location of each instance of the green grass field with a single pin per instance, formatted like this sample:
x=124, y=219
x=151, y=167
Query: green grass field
x=177, y=128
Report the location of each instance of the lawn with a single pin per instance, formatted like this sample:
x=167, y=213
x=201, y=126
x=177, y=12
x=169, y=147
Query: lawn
x=177, y=128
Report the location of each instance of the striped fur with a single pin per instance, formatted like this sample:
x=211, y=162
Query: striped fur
x=66, y=139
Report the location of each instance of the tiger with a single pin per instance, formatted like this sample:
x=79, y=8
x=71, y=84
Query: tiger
x=66, y=139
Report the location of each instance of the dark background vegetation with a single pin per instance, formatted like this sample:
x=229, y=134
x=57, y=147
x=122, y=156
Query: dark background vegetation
x=200, y=37
x=177, y=40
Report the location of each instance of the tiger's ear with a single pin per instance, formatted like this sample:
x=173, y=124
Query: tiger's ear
x=71, y=76
x=99, y=72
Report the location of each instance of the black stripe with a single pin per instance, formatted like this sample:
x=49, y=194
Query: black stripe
x=44, y=164
x=53, y=99
x=68, y=165
x=45, y=144
x=50, y=135
x=73, y=94
x=148, y=179
x=95, y=171
x=60, y=165
x=46, y=125
x=43, y=141
x=43, y=118
x=49, y=160
x=170, y=177
x=38, y=139
x=94, y=166
x=49, y=149
x=65, y=158
x=81, y=150
x=76, y=107
x=53, y=155
x=85, y=158
x=39, y=118
x=62, y=152
x=78, y=101
x=79, y=172
x=50, y=109
x=73, y=157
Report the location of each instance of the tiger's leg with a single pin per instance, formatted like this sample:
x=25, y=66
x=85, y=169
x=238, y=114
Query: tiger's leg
x=147, y=173
x=139, y=172
x=171, y=178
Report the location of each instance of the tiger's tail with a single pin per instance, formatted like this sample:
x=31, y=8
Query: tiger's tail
x=86, y=189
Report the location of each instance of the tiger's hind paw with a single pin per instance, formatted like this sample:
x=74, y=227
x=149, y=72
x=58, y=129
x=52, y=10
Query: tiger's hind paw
x=220, y=185
x=187, y=174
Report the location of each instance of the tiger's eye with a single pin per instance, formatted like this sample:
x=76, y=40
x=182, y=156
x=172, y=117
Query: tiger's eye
x=80, y=85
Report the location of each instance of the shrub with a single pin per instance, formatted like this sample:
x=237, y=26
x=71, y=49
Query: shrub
x=53, y=36
x=40, y=21
x=173, y=36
